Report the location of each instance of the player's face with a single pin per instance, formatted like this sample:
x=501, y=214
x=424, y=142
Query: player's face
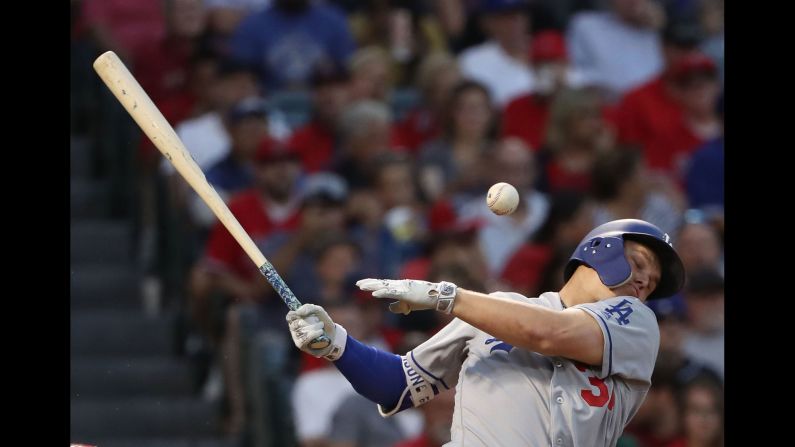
x=645, y=271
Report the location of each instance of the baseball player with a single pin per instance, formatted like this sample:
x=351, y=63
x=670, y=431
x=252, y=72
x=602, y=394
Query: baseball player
x=569, y=368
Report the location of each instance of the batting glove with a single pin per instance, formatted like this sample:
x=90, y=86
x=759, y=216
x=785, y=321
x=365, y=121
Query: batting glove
x=412, y=294
x=311, y=321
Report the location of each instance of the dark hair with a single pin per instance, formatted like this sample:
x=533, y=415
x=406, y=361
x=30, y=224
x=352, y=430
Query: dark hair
x=565, y=206
x=611, y=169
x=452, y=105
x=322, y=246
x=715, y=387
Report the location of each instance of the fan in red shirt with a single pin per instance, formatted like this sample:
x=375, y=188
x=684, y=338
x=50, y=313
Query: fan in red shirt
x=270, y=207
x=315, y=141
x=268, y=210
x=525, y=117
x=576, y=133
x=436, y=77
x=674, y=114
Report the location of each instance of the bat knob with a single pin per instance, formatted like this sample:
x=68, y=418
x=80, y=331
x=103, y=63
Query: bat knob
x=320, y=342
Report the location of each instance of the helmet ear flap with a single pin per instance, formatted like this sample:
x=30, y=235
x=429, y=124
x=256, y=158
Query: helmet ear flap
x=606, y=256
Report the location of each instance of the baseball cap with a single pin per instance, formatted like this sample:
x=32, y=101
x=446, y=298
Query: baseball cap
x=500, y=6
x=252, y=106
x=690, y=64
x=325, y=188
x=548, y=46
x=271, y=149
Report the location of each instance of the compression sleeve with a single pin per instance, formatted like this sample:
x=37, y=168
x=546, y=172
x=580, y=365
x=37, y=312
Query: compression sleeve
x=376, y=375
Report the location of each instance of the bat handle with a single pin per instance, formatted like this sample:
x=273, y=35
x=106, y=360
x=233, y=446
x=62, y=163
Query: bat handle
x=278, y=284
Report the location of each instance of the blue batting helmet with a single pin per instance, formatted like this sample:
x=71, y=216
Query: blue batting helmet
x=603, y=250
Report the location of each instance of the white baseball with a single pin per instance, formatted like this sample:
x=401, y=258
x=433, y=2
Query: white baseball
x=502, y=198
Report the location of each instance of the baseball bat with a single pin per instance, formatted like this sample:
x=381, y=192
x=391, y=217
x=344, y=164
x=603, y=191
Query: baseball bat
x=128, y=91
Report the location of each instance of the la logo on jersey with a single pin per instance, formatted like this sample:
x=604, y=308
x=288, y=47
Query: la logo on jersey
x=622, y=311
x=500, y=346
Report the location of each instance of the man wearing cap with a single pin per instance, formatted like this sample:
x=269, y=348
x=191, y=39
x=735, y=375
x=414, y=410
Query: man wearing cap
x=525, y=117
x=501, y=63
x=568, y=368
x=672, y=115
x=267, y=211
x=315, y=141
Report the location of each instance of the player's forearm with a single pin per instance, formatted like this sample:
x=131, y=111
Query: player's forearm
x=375, y=374
x=520, y=324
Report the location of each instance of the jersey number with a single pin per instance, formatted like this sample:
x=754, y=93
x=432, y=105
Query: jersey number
x=600, y=399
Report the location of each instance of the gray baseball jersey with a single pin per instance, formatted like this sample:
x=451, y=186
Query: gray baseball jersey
x=508, y=396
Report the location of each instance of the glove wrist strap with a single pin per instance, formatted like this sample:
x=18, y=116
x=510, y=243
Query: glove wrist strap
x=446, y=299
x=338, y=343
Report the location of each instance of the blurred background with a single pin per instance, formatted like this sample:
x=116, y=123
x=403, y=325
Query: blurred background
x=358, y=139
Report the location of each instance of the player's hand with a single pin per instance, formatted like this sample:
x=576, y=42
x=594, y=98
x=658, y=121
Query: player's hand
x=309, y=322
x=412, y=294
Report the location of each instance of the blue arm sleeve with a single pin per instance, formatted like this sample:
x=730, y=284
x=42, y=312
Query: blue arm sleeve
x=376, y=375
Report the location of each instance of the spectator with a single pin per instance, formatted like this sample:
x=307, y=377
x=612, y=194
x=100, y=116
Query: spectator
x=623, y=190
x=402, y=227
x=501, y=63
x=704, y=339
x=165, y=71
x=315, y=141
x=371, y=78
x=436, y=76
x=570, y=219
x=206, y=136
x=576, y=134
x=618, y=49
x=512, y=162
x=265, y=211
x=438, y=417
x=712, y=22
x=286, y=41
x=699, y=246
x=704, y=178
x=526, y=116
x=701, y=407
x=364, y=132
x=671, y=318
x=247, y=125
x=317, y=258
x=319, y=392
x=673, y=114
x=656, y=424
x=452, y=165
x=402, y=29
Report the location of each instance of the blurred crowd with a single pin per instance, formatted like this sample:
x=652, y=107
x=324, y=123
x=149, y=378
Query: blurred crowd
x=357, y=139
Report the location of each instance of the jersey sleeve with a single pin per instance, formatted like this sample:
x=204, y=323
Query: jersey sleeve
x=631, y=337
x=439, y=359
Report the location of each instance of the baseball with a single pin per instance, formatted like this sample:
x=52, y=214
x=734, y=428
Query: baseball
x=502, y=199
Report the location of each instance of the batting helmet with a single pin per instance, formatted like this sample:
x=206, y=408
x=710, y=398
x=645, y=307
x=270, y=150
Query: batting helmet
x=603, y=250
